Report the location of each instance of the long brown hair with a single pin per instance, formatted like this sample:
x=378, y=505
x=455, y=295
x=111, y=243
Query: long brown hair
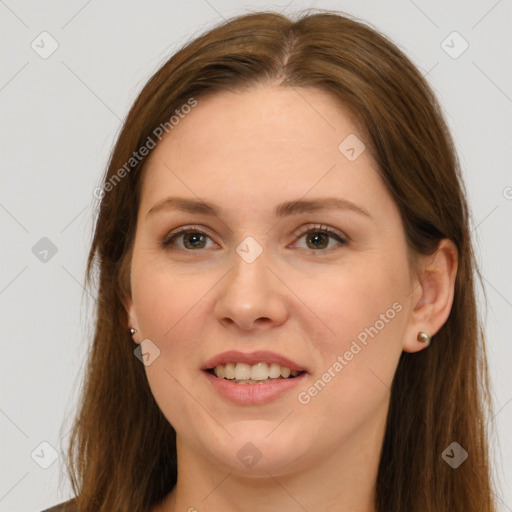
x=122, y=450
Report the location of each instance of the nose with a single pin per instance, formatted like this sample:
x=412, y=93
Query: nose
x=251, y=296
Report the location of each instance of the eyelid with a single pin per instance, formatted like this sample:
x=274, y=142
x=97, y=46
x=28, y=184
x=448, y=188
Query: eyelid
x=306, y=228
x=168, y=238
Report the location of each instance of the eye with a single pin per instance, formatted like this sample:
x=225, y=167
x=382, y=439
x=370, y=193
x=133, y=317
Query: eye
x=192, y=237
x=318, y=237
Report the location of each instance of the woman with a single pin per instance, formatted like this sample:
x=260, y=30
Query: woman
x=286, y=314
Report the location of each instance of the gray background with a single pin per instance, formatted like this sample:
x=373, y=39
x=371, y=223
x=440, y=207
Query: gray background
x=60, y=116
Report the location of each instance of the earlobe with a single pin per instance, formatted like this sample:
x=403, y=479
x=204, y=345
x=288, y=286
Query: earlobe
x=132, y=334
x=433, y=297
x=132, y=319
x=127, y=300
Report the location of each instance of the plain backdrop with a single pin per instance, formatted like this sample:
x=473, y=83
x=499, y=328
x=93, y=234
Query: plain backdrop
x=71, y=70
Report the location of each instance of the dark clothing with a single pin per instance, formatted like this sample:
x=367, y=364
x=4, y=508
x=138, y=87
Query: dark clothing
x=58, y=508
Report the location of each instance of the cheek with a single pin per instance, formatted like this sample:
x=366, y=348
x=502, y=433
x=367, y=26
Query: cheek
x=364, y=312
x=173, y=308
x=168, y=306
x=165, y=299
x=360, y=301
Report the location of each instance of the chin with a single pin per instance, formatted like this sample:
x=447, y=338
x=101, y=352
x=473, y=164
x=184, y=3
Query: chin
x=255, y=450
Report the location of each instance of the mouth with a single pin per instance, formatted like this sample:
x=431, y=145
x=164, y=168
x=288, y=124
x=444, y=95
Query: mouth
x=253, y=378
x=259, y=373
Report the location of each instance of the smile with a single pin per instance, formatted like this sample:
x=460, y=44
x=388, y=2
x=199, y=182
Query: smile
x=243, y=373
x=253, y=378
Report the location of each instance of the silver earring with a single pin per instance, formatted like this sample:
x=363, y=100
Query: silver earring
x=424, y=337
x=132, y=331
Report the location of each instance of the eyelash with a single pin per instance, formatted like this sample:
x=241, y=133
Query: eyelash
x=303, y=230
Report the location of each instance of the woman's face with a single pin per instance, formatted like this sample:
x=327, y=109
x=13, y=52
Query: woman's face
x=300, y=263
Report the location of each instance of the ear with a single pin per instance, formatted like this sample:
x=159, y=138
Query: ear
x=126, y=297
x=132, y=318
x=432, y=294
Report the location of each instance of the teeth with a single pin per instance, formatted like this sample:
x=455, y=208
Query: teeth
x=229, y=371
x=220, y=371
x=274, y=371
x=247, y=374
x=259, y=371
x=242, y=371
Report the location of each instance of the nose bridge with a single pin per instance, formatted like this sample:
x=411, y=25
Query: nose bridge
x=250, y=260
x=250, y=291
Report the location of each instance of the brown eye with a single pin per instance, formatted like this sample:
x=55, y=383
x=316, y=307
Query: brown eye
x=194, y=240
x=318, y=237
x=317, y=240
x=186, y=239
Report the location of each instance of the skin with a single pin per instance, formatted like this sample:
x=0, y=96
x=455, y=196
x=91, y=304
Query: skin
x=247, y=153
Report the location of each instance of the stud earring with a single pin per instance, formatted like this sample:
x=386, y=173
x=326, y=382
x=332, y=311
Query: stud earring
x=424, y=337
x=132, y=331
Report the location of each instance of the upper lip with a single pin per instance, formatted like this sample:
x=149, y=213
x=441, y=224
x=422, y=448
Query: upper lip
x=251, y=358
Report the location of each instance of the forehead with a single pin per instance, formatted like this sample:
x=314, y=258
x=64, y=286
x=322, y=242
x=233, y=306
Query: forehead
x=279, y=118
x=262, y=144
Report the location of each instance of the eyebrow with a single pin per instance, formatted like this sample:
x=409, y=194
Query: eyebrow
x=285, y=209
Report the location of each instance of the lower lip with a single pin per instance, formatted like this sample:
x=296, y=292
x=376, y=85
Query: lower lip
x=253, y=394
